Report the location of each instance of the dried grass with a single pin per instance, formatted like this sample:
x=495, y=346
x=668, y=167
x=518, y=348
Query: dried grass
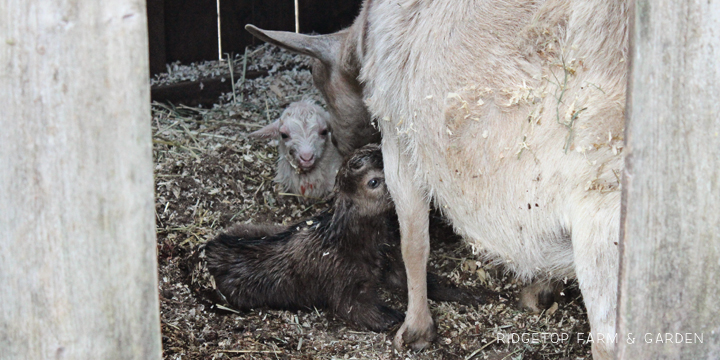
x=208, y=174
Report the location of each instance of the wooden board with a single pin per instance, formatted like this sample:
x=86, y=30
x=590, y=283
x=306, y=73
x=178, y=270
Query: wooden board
x=235, y=14
x=186, y=30
x=156, y=35
x=78, y=268
x=204, y=91
x=316, y=16
x=670, y=261
x=191, y=30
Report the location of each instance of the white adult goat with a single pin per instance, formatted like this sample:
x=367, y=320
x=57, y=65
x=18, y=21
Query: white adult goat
x=510, y=116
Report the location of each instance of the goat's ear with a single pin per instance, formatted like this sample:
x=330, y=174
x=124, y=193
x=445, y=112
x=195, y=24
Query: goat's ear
x=270, y=131
x=321, y=47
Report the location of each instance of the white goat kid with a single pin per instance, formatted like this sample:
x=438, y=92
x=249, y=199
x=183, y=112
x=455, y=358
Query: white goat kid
x=308, y=160
x=510, y=116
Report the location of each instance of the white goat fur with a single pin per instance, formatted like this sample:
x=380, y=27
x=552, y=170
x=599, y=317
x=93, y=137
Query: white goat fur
x=477, y=102
x=304, y=122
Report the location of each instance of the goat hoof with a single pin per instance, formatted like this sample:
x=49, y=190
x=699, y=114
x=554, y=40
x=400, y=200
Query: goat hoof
x=415, y=338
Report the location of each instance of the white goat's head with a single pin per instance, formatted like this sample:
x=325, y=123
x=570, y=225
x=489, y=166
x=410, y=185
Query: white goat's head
x=302, y=132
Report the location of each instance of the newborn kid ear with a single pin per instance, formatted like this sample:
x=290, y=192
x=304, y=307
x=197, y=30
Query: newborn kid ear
x=270, y=131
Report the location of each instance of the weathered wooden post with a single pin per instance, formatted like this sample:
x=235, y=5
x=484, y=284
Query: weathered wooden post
x=669, y=304
x=78, y=267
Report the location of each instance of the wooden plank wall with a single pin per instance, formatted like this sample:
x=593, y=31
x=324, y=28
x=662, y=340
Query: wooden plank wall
x=319, y=16
x=186, y=30
x=78, y=265
x=670, y=247
x=191, y=30
x=156, y=35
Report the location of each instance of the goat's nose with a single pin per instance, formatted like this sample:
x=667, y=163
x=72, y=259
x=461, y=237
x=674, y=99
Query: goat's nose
x=307, y=157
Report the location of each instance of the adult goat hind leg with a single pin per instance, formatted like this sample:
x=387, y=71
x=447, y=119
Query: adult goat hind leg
x=595, y=236
x=412, y=208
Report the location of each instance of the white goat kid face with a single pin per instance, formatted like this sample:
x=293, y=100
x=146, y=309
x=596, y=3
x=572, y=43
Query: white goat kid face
x=302, y=132
x=305, y=139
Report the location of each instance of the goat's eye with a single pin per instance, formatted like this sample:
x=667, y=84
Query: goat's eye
x=284, y=136
x=324, y=132
x=373, y=183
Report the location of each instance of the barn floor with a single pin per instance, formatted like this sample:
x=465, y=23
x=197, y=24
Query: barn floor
x=208, y=175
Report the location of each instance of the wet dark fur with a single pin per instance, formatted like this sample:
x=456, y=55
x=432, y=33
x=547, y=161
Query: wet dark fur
x=336, y=260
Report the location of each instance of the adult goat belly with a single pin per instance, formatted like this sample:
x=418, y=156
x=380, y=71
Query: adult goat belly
x=509, y=115
x=510, y=140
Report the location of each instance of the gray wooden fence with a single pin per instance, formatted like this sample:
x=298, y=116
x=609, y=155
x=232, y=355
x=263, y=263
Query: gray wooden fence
x=670, y=265
x=78, y=272
x=78, y=277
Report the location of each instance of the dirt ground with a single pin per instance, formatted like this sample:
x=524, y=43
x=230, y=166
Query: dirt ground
x=209, y=175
